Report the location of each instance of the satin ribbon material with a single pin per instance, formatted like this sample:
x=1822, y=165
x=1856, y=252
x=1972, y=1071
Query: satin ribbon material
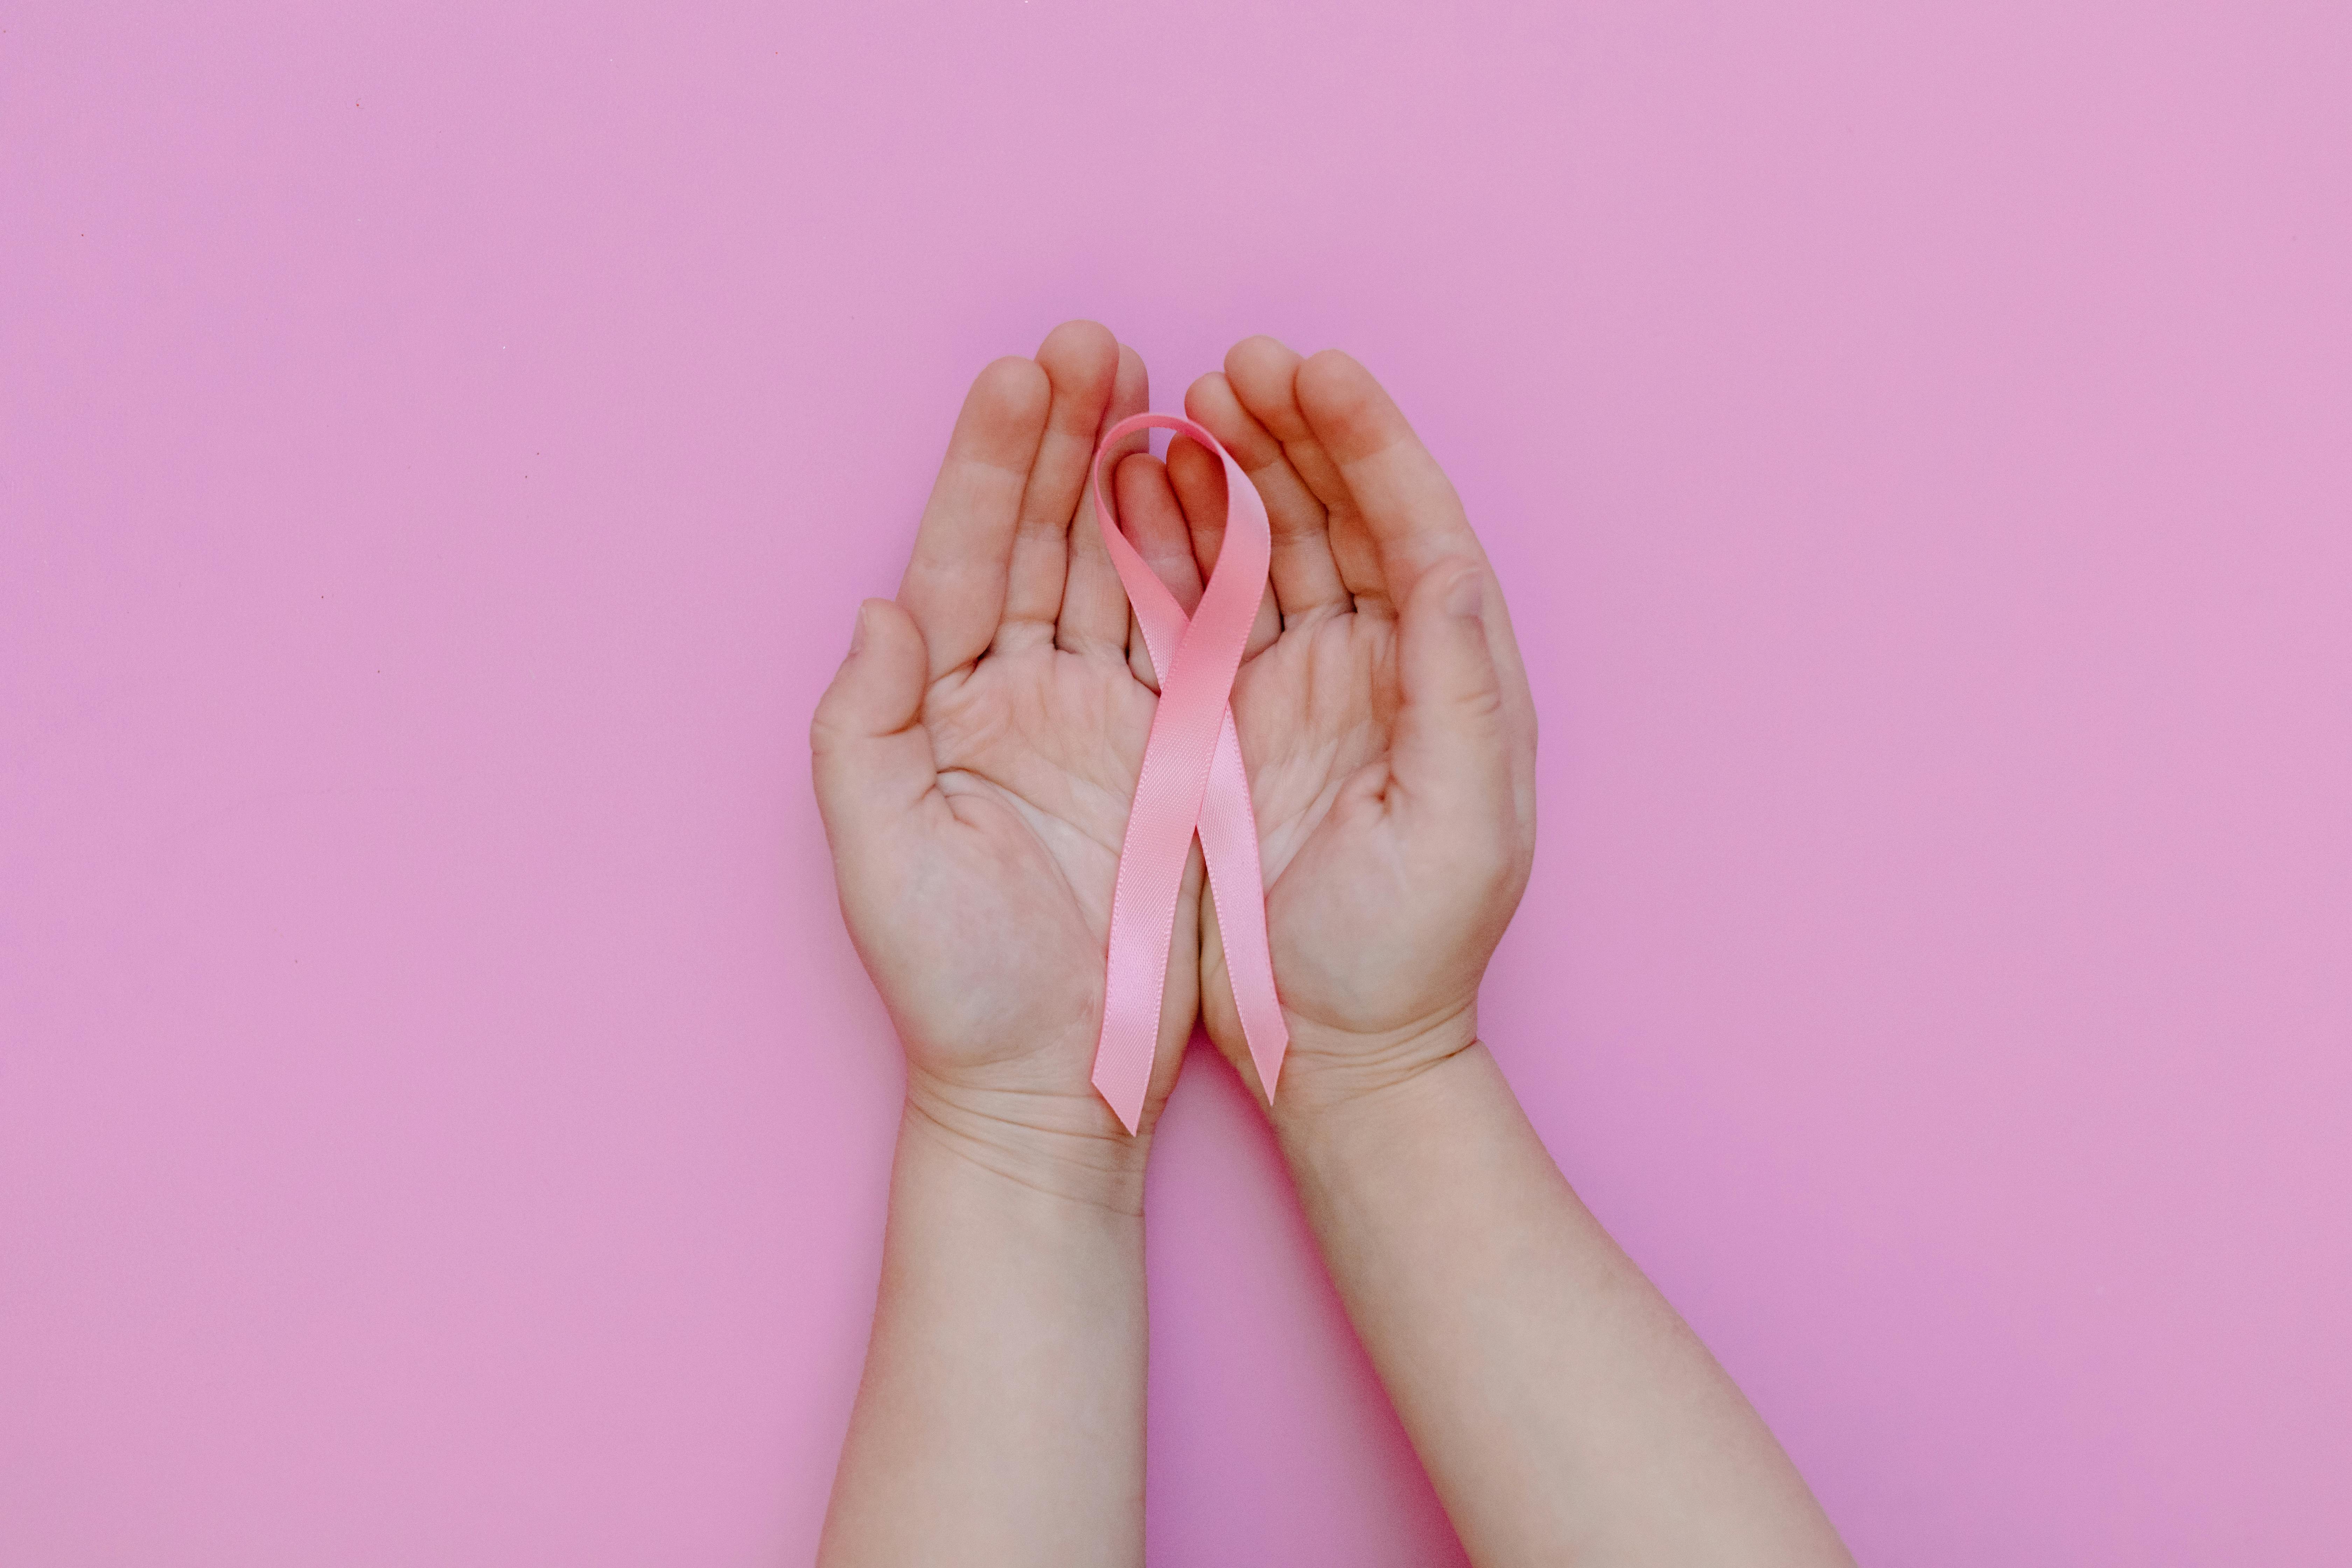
x=1192, y=782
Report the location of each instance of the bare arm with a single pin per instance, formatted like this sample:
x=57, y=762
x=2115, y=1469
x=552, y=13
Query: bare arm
x=974, y=759
x=1564, y=1412
x=1001, y=1419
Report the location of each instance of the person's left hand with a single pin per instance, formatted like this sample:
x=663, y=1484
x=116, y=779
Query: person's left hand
x=975, y=758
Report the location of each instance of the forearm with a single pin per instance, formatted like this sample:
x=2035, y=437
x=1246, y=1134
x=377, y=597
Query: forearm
x=1000, y=1417
x=1563, y=1411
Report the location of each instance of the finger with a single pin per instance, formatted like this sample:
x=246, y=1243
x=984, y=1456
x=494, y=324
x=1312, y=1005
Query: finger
x=954, y=582
x=1130, y=396
x=1154, y=524
x=1081, y=362
x=870, y=758
x=1408, y=507
x=1452, y=747
x=1305, y=580
x=1198, y=480
x=1094, y=602
x=1263, y=374
x=1519, y=699
x=1414, y=517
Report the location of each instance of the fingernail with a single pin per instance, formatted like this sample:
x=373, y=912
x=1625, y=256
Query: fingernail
x=1466, y=595
x=857, y=631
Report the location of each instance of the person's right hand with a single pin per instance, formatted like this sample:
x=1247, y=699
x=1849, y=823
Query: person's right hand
x=1385, y=719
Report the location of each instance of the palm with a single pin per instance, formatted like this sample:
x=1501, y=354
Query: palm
x=1037, y=753
x=1314, y=712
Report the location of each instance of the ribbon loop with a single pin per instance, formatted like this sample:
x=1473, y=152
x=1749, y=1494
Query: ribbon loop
x=1192, y=782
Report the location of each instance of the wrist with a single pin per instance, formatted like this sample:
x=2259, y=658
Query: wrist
x=1335, y=1144
x=1331, y=1074
x=1066, y=1147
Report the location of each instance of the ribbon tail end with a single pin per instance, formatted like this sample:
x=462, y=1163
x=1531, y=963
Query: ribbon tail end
x=1123, y=1091
x=1268, y=1055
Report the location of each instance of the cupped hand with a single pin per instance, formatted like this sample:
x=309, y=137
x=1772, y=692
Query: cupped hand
x=976, y=755
x=1385, y=717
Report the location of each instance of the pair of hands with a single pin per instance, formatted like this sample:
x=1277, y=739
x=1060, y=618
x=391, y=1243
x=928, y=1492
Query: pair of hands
x=977, y=753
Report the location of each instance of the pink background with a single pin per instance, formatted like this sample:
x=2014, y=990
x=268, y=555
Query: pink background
x=441, y=1120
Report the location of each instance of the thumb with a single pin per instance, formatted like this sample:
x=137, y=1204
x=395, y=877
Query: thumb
x=872, y=761
x=1450, y=744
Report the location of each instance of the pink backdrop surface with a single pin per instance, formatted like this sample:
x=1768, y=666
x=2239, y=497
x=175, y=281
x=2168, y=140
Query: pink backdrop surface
x=441, y=1119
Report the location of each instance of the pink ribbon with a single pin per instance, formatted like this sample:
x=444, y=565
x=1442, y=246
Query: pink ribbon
x=1192, y=781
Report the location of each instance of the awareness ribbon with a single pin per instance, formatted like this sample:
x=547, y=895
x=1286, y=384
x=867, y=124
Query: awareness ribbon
x=1192, y=781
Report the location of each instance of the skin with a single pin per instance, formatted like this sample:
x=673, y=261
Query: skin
x=1563, y=1411
x=973, y=760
